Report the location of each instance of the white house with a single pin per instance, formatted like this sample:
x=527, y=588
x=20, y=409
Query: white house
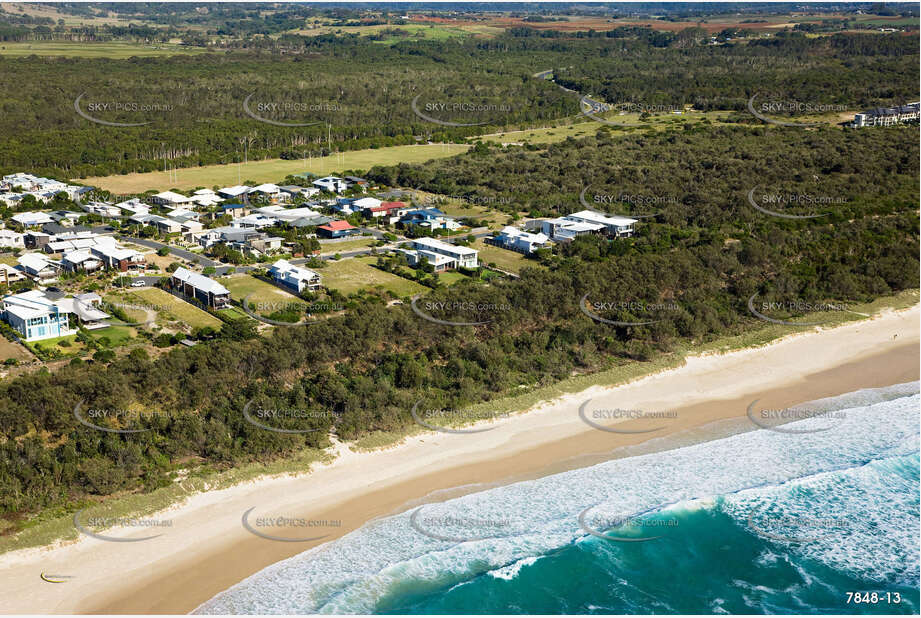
x=170, y=198
x=232, y=192
x=464, y=256
x=36, y=316
x=613, y=226
x=103, y=209
x=437, y=261
x=204, y=289
x=333, y=184
x=32, y=219
x=134, y=206
x=183, y=212
x=521, y=241
x=81, y=260
x=10, y=274
x=9, y=238
x=294, y=277
x=38, y=266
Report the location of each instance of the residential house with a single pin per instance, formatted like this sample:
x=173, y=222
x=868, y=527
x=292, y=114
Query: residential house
x=10, y=274
x=38, y=315
x=103, y=209
x=65, y=217
x=204, y=289
x=519, y=240
x=163, y=224
x=234, y=210
x=438, y=262
x=266, y=191
x=887, y=116
x=356, y=181
x=430, y=218
x=613, y=226
x=465, y=257
x=38, y=266
x=115, y=257
x=170, y=198
x=9, y=238
x=294, y=277
x=233, y=192
x=183, y=213
x=35, y=240
x=134, y=206
x=81, y=260
x=32, y=219
x=386, y=212
x=332, y=184
x=336, y=229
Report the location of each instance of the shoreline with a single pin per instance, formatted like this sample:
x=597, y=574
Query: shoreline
x=161, y=575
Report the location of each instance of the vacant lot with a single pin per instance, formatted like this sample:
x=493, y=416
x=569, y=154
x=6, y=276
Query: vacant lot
x=171, y=310
x=338, y=246
x=266, y=298
x=272, y=170
x=511, y=261
x=353, y=274
x=9, y=349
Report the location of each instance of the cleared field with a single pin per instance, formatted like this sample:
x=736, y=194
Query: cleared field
x=114, y=49
x=9, y=349
x=511, y=261
x=266, y=298
x=346, y=245
x=414, y=32
x=354, y=274
x=171, y=309
x=451, y=277
x=272, y=170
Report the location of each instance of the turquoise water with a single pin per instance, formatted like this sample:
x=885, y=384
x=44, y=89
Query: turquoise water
x=759, y=522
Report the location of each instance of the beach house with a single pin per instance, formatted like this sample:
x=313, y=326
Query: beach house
x=295, y=277
x=204, y=289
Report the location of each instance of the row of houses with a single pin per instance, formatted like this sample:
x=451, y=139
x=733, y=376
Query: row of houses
x=15, y=187
x=887, y=116
x=563, y=229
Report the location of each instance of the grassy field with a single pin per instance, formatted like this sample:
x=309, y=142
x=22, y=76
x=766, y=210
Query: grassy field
x=451, y=277
x=354, y=274
x=69, y=346
x=511, y=261
x=415, y=32
x=171, y=309
x=111, y=49
x=266, y=298
x=362, y=242
x=272, y=170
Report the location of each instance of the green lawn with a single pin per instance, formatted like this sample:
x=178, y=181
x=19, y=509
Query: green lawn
x=353, y=274
x=451, y=277
x=272, y=170
x=233, y=313
x=117, y=336
x=171, y=309
x=266, y=298
x=511, y=261
x=111, y=49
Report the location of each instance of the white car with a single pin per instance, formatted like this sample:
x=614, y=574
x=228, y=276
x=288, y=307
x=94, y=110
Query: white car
x=138, y=284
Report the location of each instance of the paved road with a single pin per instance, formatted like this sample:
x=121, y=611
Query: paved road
x=188, y=255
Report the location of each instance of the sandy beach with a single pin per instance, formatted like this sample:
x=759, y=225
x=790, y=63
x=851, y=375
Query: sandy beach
x=206, y=549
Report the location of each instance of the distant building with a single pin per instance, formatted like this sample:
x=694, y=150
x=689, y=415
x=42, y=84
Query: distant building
x=331, y=184
x=170, y=198
x=204, y=289
x=587, y=222
x=294, y=277
x=32, y=219
x=887, y=116
x=430, y=218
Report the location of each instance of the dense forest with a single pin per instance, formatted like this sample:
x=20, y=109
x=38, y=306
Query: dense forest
x=355, y=93
x=703, y=253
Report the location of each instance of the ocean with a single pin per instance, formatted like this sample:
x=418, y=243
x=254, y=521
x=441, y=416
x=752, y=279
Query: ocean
x=813, y=520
